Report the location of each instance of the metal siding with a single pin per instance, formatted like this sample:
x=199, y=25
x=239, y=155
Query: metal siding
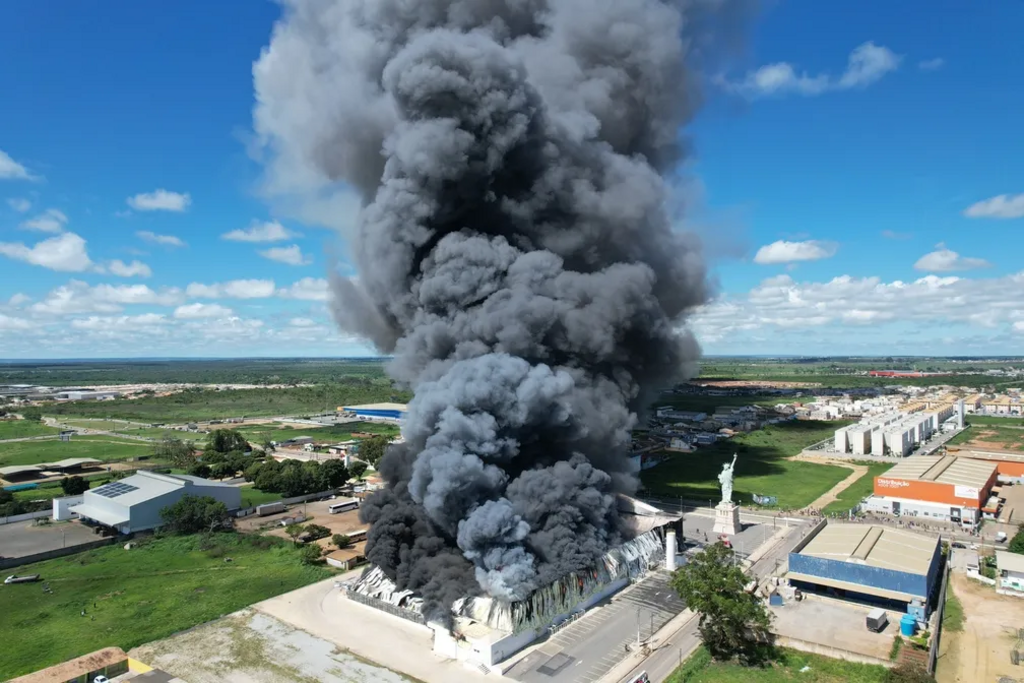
x=392, y=414
x=914, y=584
x=146, y=514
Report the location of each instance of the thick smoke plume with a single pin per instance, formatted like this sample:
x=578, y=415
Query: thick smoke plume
x=514, y=252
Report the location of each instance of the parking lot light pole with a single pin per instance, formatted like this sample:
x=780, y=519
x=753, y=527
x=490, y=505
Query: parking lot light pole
x=638, y=628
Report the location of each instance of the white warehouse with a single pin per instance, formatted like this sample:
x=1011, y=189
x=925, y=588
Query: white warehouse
x=895, y=433
x=134, y=503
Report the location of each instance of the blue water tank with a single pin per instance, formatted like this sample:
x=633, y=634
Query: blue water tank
x=908, y=625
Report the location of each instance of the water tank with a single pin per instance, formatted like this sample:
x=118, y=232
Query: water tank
x=908, y=625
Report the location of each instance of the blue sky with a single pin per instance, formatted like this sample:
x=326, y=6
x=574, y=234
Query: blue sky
x=847, y=174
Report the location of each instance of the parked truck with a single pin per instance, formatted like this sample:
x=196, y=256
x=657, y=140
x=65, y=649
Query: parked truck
x=269, y=509
x=14, y=578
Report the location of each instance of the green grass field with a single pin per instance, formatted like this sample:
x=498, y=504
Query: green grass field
x=119, y=426
x=1008, y=438
x=206, y=404
x=992, y=420
x=708, y=404
x=20, y=429
x=700, y=669
x=762, y=467
x=858, y=490
x=251, y=497
x=163, y=586
x=105, y=448
x=343, y=432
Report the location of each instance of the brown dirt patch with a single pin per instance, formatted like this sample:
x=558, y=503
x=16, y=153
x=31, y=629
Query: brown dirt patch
x=982, y=651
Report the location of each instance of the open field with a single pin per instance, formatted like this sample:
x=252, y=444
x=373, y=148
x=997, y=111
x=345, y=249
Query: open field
x=986, y=437
x=105, y=448
x=160, y=587
x=343, y=432
x=207, y=404
x=251, y=497
x=119, y=426
x=221, y=371
x=700, y=669
x=858, y=490
x=763, y=467
x=707, y=404
x=20, y=429
x=992, y=420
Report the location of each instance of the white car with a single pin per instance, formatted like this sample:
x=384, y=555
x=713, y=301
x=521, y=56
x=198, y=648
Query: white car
x=101, y=679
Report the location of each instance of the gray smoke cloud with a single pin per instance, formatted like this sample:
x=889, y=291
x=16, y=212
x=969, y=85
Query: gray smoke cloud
x=515, y=255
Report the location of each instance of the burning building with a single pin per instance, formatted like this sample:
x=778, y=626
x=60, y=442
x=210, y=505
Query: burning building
x=520, y=258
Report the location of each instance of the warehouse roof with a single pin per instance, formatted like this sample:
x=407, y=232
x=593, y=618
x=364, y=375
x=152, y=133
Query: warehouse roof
x=68, y=463
x=874, y=546
x=1008, y=561
x=13, y=470
x=379, y=406
x=945, y=470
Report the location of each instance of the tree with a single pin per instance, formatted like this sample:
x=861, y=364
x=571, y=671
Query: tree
x=310, y=554
x=200, y=470
x=372, y=450
x=74, y=486
x=193, y=514
x=334, y=472
x=225, y=441
x=314, y=532
x=32, y=414
x=252, y=471
x=357, y=469
x=294, y=531
x=1017, y=542
x=181, y=453
x=733, y=622
x=222, y=470
x=341, y=541
x=268, y=446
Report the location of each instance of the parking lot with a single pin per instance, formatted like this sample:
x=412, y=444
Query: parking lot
x=316, y=512
x=833, y=623
x=27, y=538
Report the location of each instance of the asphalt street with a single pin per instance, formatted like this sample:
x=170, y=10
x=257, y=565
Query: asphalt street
x=588, y=649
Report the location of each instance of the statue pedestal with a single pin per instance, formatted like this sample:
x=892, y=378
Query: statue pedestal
x=727, y=519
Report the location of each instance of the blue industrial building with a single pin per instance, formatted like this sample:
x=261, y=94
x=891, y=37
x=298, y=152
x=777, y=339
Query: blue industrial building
x=893, y=568
x=378, y=411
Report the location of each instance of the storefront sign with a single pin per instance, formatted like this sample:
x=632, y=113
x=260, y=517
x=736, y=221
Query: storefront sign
x=893, y=483
x=966, y=492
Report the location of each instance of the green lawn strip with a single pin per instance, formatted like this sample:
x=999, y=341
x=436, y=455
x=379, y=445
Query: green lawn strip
x=21, y=429
x=762, y=467
x=133, y=597
x=327, y=434
x=953, y=615
x=992, y=420
x=699, y=668
x=703, y=403
x=858, y=490
x=105, y=448
x=251, y=497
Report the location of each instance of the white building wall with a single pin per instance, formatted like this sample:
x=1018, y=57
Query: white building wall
x=842, y=440
x=62, y=507
x=877, y=442
x=917, y=508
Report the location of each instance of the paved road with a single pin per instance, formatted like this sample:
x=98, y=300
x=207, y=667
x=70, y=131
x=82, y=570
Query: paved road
x=660, y=665
x=588, y=649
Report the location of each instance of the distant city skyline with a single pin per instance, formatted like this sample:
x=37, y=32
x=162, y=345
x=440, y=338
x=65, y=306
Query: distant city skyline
x=858, y=189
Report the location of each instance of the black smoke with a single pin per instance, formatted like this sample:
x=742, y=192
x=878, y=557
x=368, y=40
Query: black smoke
x=515, y=255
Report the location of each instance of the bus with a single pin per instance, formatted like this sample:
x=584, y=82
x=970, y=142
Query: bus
x=343, y=506
x=356, y=536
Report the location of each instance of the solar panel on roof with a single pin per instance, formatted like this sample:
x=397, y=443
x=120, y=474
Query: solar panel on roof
x=115, y=489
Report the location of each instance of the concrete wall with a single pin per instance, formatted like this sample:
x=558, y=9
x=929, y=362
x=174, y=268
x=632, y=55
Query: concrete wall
x=830, y=651
x=864, y=575
x=25, y=516
x=10, y=562
x=62, y=507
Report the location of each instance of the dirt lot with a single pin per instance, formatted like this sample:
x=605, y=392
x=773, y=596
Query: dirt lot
x=982, y=651
x=27, y=538
x=836, y=624
x=316, y=513
x=250, y=646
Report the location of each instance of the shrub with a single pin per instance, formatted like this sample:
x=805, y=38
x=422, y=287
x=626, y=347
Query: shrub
x=341, y=541
x=310, y=554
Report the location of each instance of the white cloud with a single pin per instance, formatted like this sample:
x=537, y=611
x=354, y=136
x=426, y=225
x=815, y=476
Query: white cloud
x=160, y=200
x=302, y=322
x=18, y=299
x=19, y=204
x=133, y=269
x=197, y=311
x=291, y=255
x=783, y=303
x=1019, y=326
x=268, y=231
x=165, y=240
x=944, y=260
x=893, y=235
x=307, y=289
x=80, y=297
x=1001, y=206
x=51, y=220
x=121, y=324
x=791, y=252
x=867, y=64
x=12, y=170
x=8, y=323
x=64, y=253
x=233, y=289
x=931, y=64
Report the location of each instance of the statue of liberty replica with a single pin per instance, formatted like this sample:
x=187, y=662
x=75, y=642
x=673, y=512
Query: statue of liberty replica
x=727, y=513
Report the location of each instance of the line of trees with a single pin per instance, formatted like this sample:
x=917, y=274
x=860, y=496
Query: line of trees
x=297, y=478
